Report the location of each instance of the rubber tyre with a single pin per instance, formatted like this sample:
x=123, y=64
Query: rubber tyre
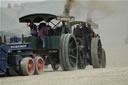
x=103, y=58
x=96, y=53
x=39, y=65
x=27, y=66
x=68, y=51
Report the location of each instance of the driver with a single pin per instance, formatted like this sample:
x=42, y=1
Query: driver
x=33, y=29
x=50, y=31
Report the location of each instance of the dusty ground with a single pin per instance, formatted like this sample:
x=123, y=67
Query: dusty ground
x=89, y=76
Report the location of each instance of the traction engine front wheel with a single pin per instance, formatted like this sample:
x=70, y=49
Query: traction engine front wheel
x=96, y=52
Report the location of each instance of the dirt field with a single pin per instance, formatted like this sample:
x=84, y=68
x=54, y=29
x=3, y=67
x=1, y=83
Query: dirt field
x=89, y=76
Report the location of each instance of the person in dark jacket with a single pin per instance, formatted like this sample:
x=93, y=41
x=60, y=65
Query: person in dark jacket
x=33, y=29
x=51, y=31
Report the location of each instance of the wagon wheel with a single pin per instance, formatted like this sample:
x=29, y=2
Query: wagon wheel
x=39, y=65
x=68, y=52
x=96, y=53
x=82, y=59
x=55, y=65
x=27, y=66
x=11, y=71
x=103, y=58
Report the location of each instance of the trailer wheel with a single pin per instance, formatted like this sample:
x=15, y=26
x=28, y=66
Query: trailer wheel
x=82, y=60
x=27, y=66
x=103, y=58
x=11, y=71
x=96, y=53
x=55, y=65
x=68, y=52
x=39, y=65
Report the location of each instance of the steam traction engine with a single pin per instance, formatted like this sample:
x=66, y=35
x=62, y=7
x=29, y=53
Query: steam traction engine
x=72, y=44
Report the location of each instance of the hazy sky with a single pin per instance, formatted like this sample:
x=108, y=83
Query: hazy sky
x=20, y=0
x=4, y=3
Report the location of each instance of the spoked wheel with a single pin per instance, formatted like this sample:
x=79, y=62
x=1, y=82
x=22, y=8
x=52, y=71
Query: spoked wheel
x=39, y=65
x=103, y=58
x=27, y=66
x=96, y=52
x=68, y=52
x=82, y=59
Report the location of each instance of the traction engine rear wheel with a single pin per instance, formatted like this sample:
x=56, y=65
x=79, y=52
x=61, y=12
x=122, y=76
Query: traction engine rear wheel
x=68, y=52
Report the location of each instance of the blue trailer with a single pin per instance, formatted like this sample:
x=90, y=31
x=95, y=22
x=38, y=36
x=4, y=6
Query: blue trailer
x=17, y=57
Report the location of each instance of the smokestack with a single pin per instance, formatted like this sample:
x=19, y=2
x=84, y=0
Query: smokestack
x=68, y=7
